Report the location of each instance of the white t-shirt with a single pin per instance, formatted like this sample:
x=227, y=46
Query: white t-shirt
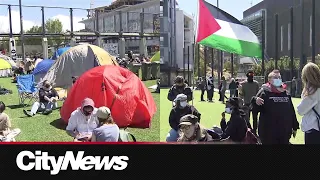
x=82, y=124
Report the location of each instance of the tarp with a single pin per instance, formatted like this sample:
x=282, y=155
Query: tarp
x=133, y=104
x=59, y=52
x=42, y=68
x=156, y=57
x=75, y=62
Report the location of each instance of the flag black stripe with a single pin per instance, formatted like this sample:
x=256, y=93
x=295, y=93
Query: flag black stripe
x=220, y=14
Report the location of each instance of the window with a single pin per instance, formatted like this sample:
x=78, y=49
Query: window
x=310, y=30
x=281, y=34
x=289, y=36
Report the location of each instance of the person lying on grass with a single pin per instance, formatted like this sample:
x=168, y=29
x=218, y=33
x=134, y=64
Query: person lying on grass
x=108, y=131
x=48, y=98
x=83, y=121
x=6, y=134
x=190, y=130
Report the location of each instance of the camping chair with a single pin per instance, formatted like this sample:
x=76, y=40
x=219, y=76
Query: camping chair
x=27, y=89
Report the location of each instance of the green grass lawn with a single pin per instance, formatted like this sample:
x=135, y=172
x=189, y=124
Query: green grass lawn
x=50, y=128
x=210, y=114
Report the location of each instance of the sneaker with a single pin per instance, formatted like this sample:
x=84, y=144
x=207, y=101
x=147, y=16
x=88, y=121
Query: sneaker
x=47, y=112
x=27, y=113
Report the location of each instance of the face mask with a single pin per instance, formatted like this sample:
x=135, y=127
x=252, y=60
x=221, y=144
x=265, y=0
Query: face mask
x=277, y=82
x=228, y=110
x=250, y=78
x=183, y=104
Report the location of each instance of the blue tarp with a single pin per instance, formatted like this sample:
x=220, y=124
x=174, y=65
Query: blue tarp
x=43, y=67
x=59, y=52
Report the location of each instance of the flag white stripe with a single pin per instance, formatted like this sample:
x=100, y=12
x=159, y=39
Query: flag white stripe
x=236, y=31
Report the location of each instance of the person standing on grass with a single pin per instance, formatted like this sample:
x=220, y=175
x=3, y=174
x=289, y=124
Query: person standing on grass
x=180, y=87
x=182, y=108
x=83, y=121
x=248, y=89
x=202, y=87
x=210, y=89
x=232, y=88
x=48, y=98
x=309, y=107
x=108, y=131
x=277, y=121
x=223, y=88
x=293, y=87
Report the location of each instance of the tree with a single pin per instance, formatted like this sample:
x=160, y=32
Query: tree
x=52, y=26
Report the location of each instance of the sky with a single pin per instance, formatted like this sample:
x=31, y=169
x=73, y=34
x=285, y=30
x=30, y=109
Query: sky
x=233, y=7
x=32, y=16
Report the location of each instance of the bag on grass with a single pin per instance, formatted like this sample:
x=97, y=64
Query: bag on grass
x=126, y=136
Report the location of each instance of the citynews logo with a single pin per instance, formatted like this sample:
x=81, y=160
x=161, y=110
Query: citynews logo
x=42, y=161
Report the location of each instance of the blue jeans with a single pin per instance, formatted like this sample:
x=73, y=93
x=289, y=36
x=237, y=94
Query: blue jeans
x=172, y=136
x=37, y=106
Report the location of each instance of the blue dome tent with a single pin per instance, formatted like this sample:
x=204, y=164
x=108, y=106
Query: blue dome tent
x=59, y=52
x=42, y=68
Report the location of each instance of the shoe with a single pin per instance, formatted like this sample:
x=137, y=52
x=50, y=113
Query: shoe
x=27, y=113
x=47, y=112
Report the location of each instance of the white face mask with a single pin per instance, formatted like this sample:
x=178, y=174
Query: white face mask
x=183, y=104
x=228, y=110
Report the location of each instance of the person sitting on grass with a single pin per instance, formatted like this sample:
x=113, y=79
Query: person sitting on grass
x=83, y=121
x=237, y=126
x=108, y=130
x=48, y=98
x=6, y=134
x=191, y=131
x=181, y=109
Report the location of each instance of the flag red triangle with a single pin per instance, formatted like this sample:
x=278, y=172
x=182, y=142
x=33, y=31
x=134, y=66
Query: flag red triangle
x=207, y=24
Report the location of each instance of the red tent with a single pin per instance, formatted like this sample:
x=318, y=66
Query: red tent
x=131, y=103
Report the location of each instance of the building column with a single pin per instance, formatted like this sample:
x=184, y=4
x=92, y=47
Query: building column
x=73, y=42
x=99, y=41
x=143, y=47
x=45, y=48
x=122, y=47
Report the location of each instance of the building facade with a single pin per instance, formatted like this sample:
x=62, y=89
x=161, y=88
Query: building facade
x=253, y=16
x=127, y=19
x=177, y=34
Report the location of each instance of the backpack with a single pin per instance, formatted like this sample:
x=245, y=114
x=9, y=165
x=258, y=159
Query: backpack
x=125, y=136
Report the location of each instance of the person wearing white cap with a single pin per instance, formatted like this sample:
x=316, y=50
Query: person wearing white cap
x=108, y=130
x=181, y=109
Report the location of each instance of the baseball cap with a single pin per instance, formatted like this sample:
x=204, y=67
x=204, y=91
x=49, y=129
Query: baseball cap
x=103, y=112
x=188, y=119
x=181, y=97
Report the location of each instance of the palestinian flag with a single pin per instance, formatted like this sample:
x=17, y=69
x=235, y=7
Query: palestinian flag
x=220, y=30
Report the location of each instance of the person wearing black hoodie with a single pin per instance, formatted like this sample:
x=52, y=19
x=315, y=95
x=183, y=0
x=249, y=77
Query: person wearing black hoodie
x=181, y=109
x=237, y=126
x=277, y=121
x=180, y=87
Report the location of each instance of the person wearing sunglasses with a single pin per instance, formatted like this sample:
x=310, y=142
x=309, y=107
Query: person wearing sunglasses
x=83, y=121
x=277, y=121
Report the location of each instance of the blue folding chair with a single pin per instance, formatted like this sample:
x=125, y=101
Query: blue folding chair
x=27, y=89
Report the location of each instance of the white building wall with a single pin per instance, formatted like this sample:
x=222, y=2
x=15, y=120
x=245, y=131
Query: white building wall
x=180, y=38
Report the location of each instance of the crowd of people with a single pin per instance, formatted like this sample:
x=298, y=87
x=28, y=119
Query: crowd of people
x=273, y=113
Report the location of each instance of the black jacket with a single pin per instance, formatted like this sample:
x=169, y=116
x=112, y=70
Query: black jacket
x=277, y=116
x=176, y=114
x=236, y=128
x=233, y=85
x=174, y=91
